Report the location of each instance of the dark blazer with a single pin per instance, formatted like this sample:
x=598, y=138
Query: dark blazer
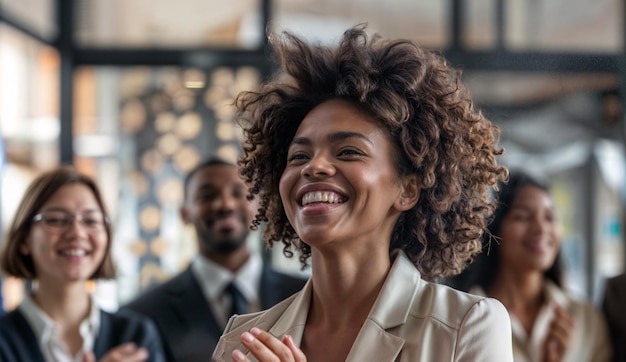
x=18, y=341
x=189, y=331
x=614, y=308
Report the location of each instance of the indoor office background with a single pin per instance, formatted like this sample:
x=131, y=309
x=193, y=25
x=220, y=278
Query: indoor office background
x=136, y=93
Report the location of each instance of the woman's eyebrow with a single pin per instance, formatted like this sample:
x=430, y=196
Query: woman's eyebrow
x=337, y=136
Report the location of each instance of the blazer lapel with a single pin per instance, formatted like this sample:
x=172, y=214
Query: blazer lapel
x=190, y=306
x=293, y=320
x=290, y=321
x=375, y=344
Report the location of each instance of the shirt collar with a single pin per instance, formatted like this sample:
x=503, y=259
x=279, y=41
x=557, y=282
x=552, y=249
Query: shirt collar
x=39, y=322
x=44, y=327
x=213, y=278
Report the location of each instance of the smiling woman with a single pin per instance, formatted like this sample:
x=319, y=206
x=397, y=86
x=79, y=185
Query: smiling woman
x=60, y=238
x=373, y=165
x=523, y=271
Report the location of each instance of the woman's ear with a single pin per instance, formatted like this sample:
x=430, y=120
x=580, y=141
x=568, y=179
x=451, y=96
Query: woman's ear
x=410, y=192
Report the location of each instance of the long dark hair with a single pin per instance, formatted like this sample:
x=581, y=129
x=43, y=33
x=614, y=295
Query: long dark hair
x=482, y=272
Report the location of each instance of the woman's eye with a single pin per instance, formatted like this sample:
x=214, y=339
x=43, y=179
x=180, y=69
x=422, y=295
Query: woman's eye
x=296, y=157
x=350, y=152
x=56, y=221
x=91, y=221
x=520, y=217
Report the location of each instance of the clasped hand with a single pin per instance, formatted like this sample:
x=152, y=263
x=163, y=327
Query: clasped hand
x=127, y=352
x=559, y=336
x=267, y=348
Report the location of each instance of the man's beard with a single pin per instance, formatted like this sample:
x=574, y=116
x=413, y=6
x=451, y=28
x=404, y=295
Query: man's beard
x=225, y=246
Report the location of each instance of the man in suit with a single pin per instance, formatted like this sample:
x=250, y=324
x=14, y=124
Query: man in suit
x=191, y=310
x=613, y=307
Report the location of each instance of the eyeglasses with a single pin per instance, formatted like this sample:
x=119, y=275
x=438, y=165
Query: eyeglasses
x=58, y=220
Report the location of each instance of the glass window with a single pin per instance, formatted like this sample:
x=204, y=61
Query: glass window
x=168, y=24
x=39, y=16
x=479, y=17
x=425, y=22
x=565, y=25
x=29, y=125
x=29, y=105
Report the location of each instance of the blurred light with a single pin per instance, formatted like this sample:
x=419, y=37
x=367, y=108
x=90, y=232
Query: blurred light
x=43, y=129
x=610, y=156
x=194, y=84
x=95, y=145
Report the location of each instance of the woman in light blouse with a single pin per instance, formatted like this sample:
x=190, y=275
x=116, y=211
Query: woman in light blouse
x=521, y=268
x=59, y=239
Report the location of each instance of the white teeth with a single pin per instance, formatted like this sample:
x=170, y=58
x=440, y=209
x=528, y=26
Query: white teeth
x=321, y=196
x=74, y=252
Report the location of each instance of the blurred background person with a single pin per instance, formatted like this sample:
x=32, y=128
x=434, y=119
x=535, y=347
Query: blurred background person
x=59, y=239
x=614, y=308
x=226, y=276
x=520, y=266
x=1, y=301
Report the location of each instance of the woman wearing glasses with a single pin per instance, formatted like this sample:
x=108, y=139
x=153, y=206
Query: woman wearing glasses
x=60, y=238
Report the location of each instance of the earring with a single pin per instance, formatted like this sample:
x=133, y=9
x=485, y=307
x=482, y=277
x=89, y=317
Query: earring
x=402, y=203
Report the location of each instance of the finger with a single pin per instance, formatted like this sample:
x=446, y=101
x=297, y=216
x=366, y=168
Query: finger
x=122, y=350
x=139, y=355
x=127, y=352
x=89, y=357
x=266, y=347
x=562, y=327
x=297, y=352
x=238, y=356
x=552, y=353
x=564, y=317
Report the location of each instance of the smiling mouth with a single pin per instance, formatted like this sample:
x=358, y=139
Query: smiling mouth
x=73, y=252
x=327, y=197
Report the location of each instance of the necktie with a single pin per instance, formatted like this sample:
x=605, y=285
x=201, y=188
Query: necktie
x=239, y=302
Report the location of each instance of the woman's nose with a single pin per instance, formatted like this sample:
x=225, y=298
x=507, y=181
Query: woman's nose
x=318, y=166
x=542, y=226
x=76, y=227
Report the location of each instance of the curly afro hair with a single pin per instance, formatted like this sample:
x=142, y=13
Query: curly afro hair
x=419, y=99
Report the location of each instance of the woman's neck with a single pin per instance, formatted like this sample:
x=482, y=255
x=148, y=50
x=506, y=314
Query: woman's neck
x=521, y=293
x=345, y=286
x=66, y=305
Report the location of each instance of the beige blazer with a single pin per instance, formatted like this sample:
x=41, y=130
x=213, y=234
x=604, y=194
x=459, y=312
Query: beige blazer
x=411, y=320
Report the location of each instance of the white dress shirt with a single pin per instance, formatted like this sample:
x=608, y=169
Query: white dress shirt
x=214, y=278
x=47, y=332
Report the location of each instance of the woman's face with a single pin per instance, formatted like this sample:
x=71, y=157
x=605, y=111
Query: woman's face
x=340, y=182
x=67, y=242
x=529, y=232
